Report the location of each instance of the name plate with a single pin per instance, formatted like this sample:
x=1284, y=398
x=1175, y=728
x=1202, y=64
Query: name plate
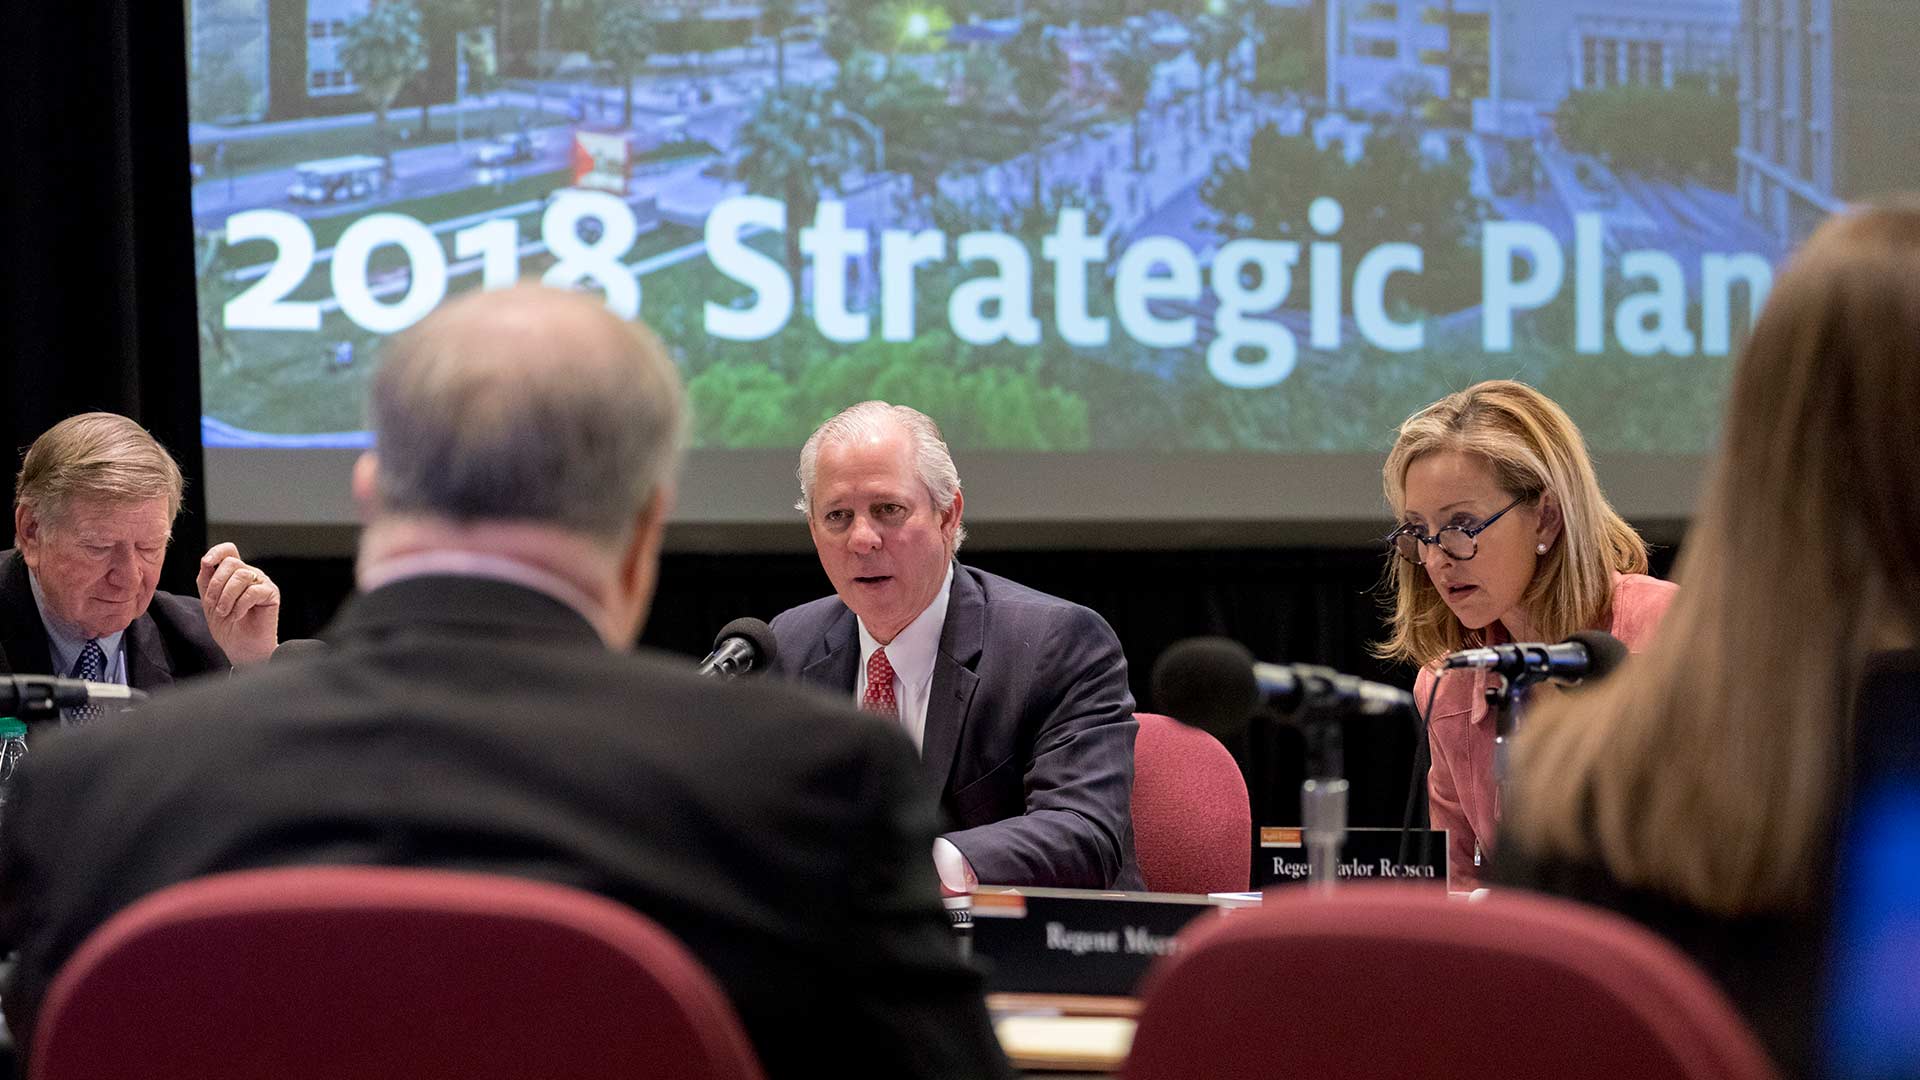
x=1079, y=941
x=1369, y=855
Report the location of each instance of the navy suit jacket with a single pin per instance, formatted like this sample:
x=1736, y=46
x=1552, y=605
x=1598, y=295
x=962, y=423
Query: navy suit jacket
x=168, y=643
x=1029, y=737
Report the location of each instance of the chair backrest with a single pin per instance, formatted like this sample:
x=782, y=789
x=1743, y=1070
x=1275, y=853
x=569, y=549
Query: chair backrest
x=1192, y=827
x=1398, y=980
x=342, y=972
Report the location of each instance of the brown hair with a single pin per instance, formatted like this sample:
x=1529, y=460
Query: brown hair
x=99, y=455
x=1710, y=773
x=1535, y=450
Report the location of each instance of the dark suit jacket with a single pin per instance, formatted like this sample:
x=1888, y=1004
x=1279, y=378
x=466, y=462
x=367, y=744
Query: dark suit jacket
x=1029, y=737
x=471, y=724
x=168, y=643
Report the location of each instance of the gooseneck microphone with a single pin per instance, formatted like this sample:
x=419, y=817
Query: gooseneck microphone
x=742, y=646
x=1207, y=683
x=32, y=696
x=1215, y=684
x=1589, y=654
x=1586, y=656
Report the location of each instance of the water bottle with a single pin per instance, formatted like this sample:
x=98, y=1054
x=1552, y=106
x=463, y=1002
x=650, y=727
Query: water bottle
x=13, y=746
x=960, y=915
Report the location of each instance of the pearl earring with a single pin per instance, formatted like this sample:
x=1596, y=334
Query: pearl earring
x=1541, y=548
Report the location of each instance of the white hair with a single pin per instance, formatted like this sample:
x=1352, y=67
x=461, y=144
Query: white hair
x=932, y=462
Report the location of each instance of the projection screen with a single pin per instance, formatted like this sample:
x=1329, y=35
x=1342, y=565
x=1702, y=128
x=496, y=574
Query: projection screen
x=1164, y=271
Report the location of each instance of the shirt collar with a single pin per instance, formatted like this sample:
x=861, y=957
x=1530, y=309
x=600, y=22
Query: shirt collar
x=65, y=642
x=473, y=564
x=912, y=650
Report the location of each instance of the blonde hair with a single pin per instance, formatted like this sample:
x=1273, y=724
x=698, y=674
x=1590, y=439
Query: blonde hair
x=1535, y=451
x=96, y=455
x=1710, y=773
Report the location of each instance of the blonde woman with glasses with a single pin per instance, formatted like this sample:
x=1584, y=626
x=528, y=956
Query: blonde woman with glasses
x=1503, y=536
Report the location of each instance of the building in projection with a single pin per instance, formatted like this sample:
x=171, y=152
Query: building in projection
x=1518, y=54
x=281, y=59
x=227, y=56
x=1829, y=108
x=326, y=32
x=1382, y=54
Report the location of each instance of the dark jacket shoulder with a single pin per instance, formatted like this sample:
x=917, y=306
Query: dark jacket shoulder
x=778, y=833
x=181, y=623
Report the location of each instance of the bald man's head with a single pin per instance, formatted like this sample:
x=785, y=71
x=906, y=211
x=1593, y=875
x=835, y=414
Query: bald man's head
x=530, y=405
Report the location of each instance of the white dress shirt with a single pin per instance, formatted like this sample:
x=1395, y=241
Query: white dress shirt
x=911, y=652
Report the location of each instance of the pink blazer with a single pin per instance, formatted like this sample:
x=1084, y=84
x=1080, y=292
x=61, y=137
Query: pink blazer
x=1461, y=795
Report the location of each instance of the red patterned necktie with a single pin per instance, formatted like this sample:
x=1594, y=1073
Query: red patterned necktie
x=879, y=698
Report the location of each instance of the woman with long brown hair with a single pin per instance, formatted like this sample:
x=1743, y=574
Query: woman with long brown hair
x=1504, y=536
x=1697, y=789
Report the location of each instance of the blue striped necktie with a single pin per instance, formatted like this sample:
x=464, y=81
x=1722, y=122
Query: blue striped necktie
x=91, y=666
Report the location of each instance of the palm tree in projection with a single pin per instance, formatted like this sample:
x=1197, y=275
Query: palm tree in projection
x=384, y=49
x=1039, y=70
x=793, y=149
x=628, y=36
x=1132, y=68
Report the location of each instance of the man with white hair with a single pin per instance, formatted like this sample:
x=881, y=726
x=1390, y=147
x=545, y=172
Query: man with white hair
x=1018, y=700
x=93, y=513
x=479, y=708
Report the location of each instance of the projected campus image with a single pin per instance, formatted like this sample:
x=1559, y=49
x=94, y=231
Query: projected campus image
x=1253, y=225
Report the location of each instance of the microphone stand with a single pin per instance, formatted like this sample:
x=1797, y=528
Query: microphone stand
x=1323, y=796
x=1507, y=700
x=1325, y=698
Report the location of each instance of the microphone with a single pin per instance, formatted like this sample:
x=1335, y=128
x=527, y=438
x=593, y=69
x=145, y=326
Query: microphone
x=293, y=649
x=44, y=695
x=1214, y=684
x=1589, y=654
x=742, y=646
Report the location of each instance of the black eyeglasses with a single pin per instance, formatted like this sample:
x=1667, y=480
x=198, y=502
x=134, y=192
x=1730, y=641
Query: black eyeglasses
x=1458, y=541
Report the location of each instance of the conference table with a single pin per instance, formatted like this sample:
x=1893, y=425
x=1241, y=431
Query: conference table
x=1066, y=1035
x=1063, y=965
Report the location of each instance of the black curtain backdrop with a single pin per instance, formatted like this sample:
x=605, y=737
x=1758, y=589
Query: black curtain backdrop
x=97, y=290
x=99, y=307
x=1310, y=605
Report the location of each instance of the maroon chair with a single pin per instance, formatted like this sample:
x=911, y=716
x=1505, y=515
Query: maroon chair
x=1399, y=980
x=1192, y=828
x=333, y=973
